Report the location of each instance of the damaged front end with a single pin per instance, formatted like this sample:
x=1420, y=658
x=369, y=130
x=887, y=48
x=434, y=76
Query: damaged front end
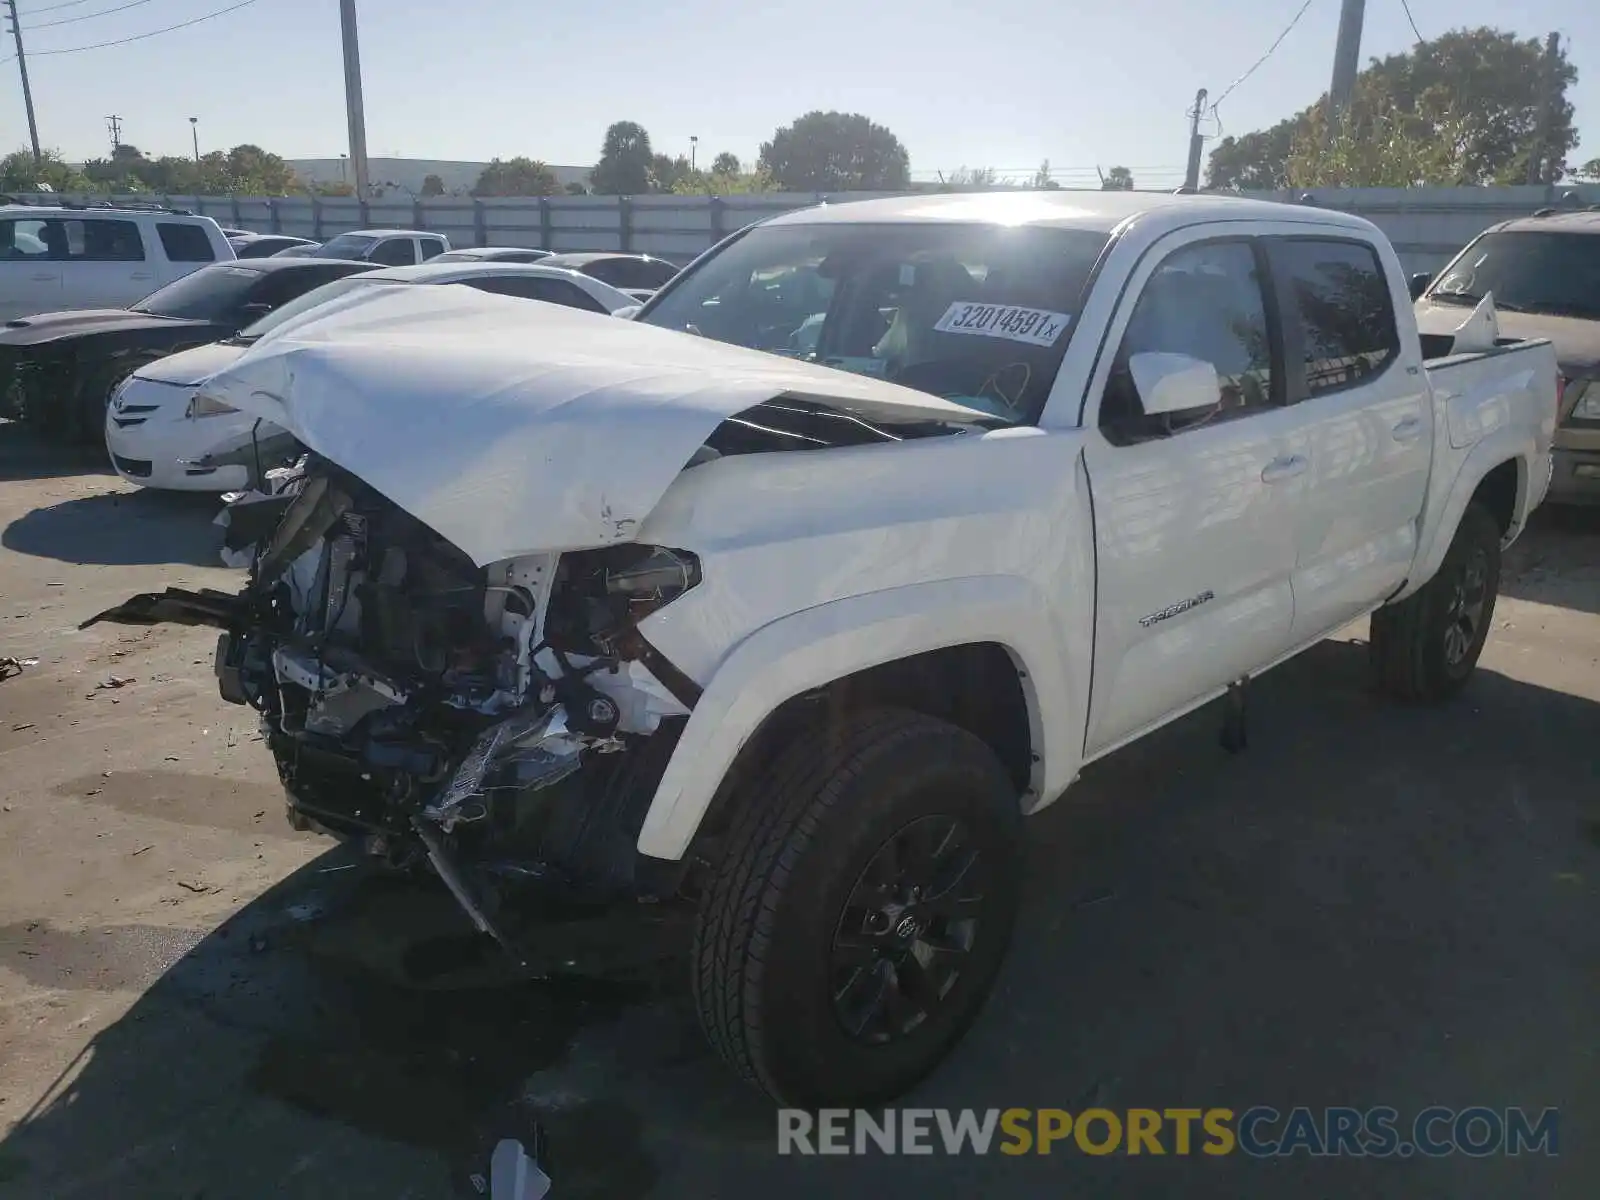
x=506, y=724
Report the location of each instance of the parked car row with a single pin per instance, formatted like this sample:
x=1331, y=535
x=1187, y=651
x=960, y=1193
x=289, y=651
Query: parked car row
x=756, y=624
x=92, y=296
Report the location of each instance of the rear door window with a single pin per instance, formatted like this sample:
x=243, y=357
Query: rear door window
x=552, y=291
x=1339, y=321
x=185, y=243
x=431, y=247
x=99, y=240
x=395, y=252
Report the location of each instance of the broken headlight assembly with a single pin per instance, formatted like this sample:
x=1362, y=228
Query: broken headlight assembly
x=601, y=594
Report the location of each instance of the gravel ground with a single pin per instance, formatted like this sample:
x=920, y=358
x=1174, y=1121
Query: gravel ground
x=1373, y=905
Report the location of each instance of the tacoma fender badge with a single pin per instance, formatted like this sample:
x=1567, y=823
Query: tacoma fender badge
x=1172, y=610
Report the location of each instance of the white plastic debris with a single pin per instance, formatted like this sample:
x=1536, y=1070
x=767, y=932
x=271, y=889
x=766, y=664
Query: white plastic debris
x=515, y=1176
x=1480, y=332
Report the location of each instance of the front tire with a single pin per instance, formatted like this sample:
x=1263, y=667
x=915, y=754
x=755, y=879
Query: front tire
x=861, y=910
x=93, y=399
x=1425, y=648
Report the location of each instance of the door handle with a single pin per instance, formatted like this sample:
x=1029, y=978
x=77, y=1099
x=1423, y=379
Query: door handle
x=1286, y=467
x=46, y=278
x=141, y=275
x=1409, y=429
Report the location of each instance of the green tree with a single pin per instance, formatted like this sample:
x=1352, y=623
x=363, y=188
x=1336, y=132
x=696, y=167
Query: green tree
x=520, y=176
x=257, y=172
x=625, y=161
x=19, y=173
x=432, y=185
x=667, y=172
x=726, y=163
x=1041, y=178
x=1482, y=93
x=1117, y=179
x=701, y=183
x=836, y=152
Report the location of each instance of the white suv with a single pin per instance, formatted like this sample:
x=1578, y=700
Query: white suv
x=76, y=257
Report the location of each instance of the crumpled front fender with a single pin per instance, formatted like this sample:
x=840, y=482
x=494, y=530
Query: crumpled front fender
x=814, y=647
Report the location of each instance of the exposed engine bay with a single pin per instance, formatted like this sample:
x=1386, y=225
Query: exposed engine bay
x=508, y=723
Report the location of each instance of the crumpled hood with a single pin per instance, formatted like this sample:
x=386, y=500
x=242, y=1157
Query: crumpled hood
x=191, y=367
x=514, y=427
x=1576, y=341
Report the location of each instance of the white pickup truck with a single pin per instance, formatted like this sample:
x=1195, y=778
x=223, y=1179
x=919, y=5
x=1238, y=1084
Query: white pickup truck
x=784, y=627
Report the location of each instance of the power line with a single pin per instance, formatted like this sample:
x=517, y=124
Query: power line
x=1406, y=4
x=105, y=12
x=139, y=37
x=28, y=12
x=1256, y=66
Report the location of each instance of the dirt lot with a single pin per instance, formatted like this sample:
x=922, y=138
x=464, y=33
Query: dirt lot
x=1372, y=906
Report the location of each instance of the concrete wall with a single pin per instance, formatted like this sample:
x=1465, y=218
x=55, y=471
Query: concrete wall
x=1427, y=225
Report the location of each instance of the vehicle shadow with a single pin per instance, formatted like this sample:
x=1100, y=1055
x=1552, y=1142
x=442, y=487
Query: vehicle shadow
x=1557, y=560
x=1372, y=905
x=26, y=455
x=122, y=529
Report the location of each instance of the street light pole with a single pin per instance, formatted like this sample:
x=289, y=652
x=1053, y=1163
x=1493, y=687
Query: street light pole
x=194, y=128
x=694, y=146
x=352, y=96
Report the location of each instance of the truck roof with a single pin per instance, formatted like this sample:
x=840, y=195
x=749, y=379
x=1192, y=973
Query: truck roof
x=1102, y=211
x=1580, y=221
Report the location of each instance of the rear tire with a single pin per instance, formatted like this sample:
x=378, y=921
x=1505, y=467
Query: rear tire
x=1425, y=648
x=826, y=969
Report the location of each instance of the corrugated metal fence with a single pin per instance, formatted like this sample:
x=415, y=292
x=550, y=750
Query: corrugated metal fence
x=1427, y=225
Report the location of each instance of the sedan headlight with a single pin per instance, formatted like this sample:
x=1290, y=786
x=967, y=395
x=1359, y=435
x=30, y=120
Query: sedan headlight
x=203, y=405
x=1587, y=407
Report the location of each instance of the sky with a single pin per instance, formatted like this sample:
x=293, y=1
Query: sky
x=1002, y=85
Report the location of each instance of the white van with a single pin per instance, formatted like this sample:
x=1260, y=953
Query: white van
x=74, y=257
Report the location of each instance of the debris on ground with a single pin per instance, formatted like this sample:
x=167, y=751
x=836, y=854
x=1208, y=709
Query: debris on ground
x=115, y=681
x=198, y=888
x=21, y=725
x=10, y=666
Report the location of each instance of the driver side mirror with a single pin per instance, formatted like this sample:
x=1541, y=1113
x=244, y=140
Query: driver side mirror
x=1419, y=284
x=1174, y=383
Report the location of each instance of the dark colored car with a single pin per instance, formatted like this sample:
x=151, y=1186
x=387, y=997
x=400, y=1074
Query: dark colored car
x=504, y=254
x=58, y=370
x=265, y=245
x=626, y=272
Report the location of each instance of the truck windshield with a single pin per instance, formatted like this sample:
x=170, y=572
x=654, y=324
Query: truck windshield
x=346, y=245
x=209, y=294
x=977, y=314
x=1555, y=273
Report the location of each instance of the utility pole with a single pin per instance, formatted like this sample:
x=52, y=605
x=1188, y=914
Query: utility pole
x=194, y=128
x=27, y=91
x=114, y=124
x=694, y=146
x=1191, y=174
x=1346, y=62
x=1547, y=114
x=352, y=96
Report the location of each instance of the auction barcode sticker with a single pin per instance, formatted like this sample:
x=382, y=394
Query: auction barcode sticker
x=1036, y=326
